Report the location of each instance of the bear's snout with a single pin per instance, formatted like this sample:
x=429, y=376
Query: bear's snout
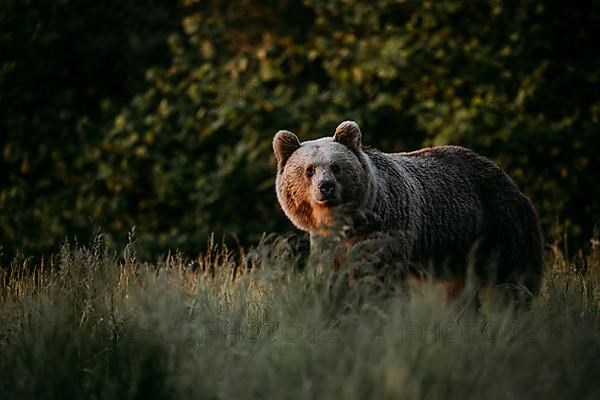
x=326, y=193
x=327, y=188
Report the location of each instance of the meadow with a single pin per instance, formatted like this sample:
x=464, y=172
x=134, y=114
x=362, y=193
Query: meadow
x=268, y=322
x=161, y=115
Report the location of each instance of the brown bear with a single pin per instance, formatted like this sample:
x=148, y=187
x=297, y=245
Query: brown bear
x=448, y=204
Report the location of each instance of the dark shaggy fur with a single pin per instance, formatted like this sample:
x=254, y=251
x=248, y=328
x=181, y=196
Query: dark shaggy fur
x=449, y=203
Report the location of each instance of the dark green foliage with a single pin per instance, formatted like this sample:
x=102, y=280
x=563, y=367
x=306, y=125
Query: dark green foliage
x=190, y=153
x=65, y=67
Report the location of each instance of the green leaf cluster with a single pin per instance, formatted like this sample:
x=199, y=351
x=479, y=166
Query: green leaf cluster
x=189, y=152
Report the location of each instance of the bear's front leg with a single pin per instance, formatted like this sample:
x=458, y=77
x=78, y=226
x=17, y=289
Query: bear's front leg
x=329, y=250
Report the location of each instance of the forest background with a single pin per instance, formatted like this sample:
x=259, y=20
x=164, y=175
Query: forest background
x=160, y=114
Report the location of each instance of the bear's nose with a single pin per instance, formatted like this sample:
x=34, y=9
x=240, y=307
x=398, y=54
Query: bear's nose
x=327, y=187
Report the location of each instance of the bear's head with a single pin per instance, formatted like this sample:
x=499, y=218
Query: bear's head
x=316, y=176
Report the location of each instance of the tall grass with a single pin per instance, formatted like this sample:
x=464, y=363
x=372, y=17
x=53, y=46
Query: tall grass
x=261, y=324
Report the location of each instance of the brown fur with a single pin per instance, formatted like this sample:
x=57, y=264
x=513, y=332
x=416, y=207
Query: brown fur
x=451, y=288
x=449, y=206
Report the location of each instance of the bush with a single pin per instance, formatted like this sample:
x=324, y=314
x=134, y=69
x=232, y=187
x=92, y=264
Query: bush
x=66, y=68
x=190, y=153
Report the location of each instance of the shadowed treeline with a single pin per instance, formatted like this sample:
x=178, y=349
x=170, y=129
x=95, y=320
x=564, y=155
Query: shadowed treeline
x=159, y=114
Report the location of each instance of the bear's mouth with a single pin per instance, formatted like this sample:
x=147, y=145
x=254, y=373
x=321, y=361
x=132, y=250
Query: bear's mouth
x=327, y=201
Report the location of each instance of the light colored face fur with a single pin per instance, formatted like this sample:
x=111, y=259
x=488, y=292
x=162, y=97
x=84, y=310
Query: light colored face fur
x=315, y=176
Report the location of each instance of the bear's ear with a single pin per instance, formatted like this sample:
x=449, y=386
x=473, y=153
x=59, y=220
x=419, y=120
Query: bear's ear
x=348, y=134
x=284, y=144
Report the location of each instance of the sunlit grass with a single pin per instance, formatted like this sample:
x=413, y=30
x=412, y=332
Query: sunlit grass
x=91, y=323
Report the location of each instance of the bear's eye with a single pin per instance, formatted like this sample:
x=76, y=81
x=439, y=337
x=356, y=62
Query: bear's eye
x=310, y=171
x=335, y=168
